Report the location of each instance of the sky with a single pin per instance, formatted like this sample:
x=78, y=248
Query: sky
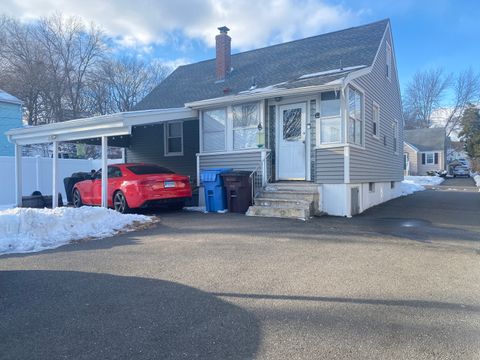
x=440, y=33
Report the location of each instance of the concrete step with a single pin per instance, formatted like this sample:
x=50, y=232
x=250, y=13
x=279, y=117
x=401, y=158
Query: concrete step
x=289, y=194
x=283, y=203
x=279, y=212
x=293, y=186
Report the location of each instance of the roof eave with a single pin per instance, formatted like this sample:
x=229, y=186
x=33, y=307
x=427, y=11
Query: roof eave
x=94, y=127
x=260, y=95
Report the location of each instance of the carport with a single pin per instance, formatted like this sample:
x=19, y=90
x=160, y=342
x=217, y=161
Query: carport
x=106, y=130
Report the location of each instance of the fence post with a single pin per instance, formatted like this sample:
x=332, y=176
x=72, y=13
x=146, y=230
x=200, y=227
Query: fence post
x=37, y=172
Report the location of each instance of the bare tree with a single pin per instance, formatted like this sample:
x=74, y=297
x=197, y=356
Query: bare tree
x=22, y=67
x=424, y=93
x=466, y=91
x=130, y=79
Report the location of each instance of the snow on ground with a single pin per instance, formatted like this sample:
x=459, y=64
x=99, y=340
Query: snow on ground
x=425, y=180
x=413, y=184
x=25, y=230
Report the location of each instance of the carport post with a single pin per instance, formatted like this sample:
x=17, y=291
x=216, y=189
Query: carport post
x=104, y=170
x=54, y=175
x=18, y=175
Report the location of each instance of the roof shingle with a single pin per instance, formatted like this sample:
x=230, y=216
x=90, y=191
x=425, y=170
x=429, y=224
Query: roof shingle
x=350, y=48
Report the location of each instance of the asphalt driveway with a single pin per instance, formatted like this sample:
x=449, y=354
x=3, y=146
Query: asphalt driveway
x=401, y=281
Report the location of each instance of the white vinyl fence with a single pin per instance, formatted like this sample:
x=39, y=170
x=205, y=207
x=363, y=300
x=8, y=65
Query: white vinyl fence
x=37, y=175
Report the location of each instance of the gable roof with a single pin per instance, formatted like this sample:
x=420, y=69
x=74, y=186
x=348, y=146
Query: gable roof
x=6, y=97
x=426, y=139
x=315, y=60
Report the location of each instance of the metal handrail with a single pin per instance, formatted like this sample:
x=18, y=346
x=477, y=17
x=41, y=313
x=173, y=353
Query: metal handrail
x=266, y=175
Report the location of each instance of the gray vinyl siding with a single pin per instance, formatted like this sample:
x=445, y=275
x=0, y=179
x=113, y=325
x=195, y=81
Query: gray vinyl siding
x=378, y=162
x=238, y=161
x=147, y=145
x=329, y=166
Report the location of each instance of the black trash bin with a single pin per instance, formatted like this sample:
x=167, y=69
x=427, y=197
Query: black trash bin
x=70, y=181
x=238, y=188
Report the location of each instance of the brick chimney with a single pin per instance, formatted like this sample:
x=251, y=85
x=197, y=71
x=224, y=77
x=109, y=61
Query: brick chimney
x=223, y=48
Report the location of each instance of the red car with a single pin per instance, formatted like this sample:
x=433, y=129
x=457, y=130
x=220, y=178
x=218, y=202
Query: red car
x=133, y=186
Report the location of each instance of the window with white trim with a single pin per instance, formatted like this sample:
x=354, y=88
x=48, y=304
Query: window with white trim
x=213, y=130
x=376, y=120
x=245, y=119
x=389, y=61
x=330, y=122
x=355, y=116
x=174, y=138
x=429, y=158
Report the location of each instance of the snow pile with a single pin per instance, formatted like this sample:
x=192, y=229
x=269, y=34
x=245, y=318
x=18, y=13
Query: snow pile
x=409, y=187
x=412, y=184
x=424, y=180
x=29, y=230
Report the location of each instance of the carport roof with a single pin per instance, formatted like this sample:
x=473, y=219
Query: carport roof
x=93, y=127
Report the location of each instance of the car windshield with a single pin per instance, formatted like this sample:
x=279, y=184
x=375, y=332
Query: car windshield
x=149, y=169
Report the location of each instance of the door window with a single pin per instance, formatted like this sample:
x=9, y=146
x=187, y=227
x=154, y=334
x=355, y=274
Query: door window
x=292, y=124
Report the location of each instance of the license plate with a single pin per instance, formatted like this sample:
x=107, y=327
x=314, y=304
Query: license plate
x=169, y=184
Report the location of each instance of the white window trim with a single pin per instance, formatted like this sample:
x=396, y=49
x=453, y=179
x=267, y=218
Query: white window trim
x=375, y=105
x=165, y=139
x=318, y=135
x=229, y=126
x=225, y=108
x=347, y=115
x=426, y=157
x=259, y=108
x=388, y=60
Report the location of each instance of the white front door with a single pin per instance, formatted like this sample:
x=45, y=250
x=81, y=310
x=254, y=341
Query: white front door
x=291, y=142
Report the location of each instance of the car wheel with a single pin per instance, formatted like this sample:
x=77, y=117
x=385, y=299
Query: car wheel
x=77, y=199
x=120, y=202
x=177, y=206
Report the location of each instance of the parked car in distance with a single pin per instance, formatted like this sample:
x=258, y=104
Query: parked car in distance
x=135, y=185
x=461, y=171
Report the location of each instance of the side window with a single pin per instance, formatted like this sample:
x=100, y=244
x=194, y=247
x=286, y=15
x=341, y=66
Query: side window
x=376, y=120
x=355, y=116
x=174, y=138
x=389, y=61
x=114, y=172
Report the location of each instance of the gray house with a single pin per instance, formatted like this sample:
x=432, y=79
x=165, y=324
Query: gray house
x=317, y=121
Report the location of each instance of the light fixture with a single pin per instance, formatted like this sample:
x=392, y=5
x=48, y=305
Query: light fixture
x=278, y=98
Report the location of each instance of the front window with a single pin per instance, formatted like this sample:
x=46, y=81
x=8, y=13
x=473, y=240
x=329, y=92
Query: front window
x=355, y=117
x=330, y=120
x=430, y=158
x=245, y=125
x=174, y=138
x=214, y=123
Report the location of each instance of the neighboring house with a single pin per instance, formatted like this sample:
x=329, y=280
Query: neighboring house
x=324, y=109
x=10, y=118
x=424, y=150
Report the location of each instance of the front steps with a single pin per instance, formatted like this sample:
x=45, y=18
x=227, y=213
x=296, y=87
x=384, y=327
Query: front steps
x=295, y=200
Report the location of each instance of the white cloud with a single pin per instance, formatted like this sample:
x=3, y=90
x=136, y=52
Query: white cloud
x=144, y=22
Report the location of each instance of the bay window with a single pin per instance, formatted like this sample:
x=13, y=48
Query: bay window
x=355, y=116
x=245, y=118
x=330, y=123
x=214, y=125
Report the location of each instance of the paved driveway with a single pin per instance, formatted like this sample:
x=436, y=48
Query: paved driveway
x=401, y=281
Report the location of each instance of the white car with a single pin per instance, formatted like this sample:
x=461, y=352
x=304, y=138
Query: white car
x=461, y=171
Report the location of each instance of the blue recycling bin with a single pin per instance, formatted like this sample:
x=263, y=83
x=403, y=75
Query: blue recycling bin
x=215, y=196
